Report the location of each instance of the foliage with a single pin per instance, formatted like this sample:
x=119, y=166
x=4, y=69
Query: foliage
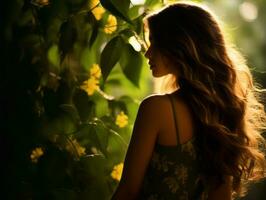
x=70, y=86
x=68, y=128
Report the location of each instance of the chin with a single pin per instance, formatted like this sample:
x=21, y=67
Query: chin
x=157, y=75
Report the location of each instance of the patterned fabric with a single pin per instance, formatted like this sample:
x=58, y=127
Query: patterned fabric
x=174, y=173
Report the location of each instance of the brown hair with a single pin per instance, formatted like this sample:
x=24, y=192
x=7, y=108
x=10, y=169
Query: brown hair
x=219, y=89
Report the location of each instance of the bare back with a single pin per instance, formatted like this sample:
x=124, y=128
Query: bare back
x=167, y=134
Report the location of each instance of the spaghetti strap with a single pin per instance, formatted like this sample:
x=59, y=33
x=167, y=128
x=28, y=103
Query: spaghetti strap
x=175, y=118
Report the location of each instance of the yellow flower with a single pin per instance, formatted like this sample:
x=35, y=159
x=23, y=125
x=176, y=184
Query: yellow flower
x=95, y=71
x=117, y=171
x=111, y=24
x=121, y=119
x=36, y=154
x=98, y=12
x=90, y=85
x=94, y=3
x=75, y=148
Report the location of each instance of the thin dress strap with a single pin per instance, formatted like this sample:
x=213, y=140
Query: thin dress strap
x=175, y=118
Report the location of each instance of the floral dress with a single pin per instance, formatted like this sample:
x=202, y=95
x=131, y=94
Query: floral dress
x=174, y=172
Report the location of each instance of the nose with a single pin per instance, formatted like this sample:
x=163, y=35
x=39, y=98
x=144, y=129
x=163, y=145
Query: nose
x=147, y=54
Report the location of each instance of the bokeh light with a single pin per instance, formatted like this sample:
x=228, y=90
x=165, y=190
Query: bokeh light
x=248, y=11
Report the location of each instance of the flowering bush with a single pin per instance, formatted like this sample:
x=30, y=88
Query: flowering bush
x=77, y=97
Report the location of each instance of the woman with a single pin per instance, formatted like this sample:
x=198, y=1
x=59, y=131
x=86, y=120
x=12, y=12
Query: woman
x=202, y=140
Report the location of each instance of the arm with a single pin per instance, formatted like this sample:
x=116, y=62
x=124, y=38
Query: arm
x=140, y=150
x=223, y=192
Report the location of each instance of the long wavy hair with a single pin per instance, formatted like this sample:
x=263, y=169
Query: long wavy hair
x=219, y=88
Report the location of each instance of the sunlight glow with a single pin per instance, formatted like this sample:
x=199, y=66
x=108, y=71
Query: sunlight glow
x=248, y=11
x=137, y=2
x=134, y=43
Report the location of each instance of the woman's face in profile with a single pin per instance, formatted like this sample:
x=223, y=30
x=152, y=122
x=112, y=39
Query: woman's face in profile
x=157, y=62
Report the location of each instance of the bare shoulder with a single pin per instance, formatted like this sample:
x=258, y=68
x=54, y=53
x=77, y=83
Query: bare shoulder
x=151, y=110
x=162, y=101
x=154, y=100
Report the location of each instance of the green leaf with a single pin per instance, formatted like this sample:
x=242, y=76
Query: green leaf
x=71, y=110
x=68, y=36
x=138, y=25
x=136, y=11
x=94, y=26
x=100, y=134
x=132, y=107
x=110, y=55
x=131, y=63
x=26, y=18
x=95, y=183
x=123, y=6
x=127, y=33
x=114, y=82
x=116, y=106
x=115, y=140
x=88, y=57
x=84, y=106
x=151, y=3
x=53, y=55
x=101, y=107
x=118, y=9
x=117, y=145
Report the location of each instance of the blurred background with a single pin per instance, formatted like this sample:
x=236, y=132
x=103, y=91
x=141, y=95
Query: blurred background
x=72, y=76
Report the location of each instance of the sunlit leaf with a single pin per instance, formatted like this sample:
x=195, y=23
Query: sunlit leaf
x=151, y=3
x=131, y=63
x=101, y=107
x=136, y=11
x=88, y=57
x=110, y=55
x=113, y=82
x=53, y=55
